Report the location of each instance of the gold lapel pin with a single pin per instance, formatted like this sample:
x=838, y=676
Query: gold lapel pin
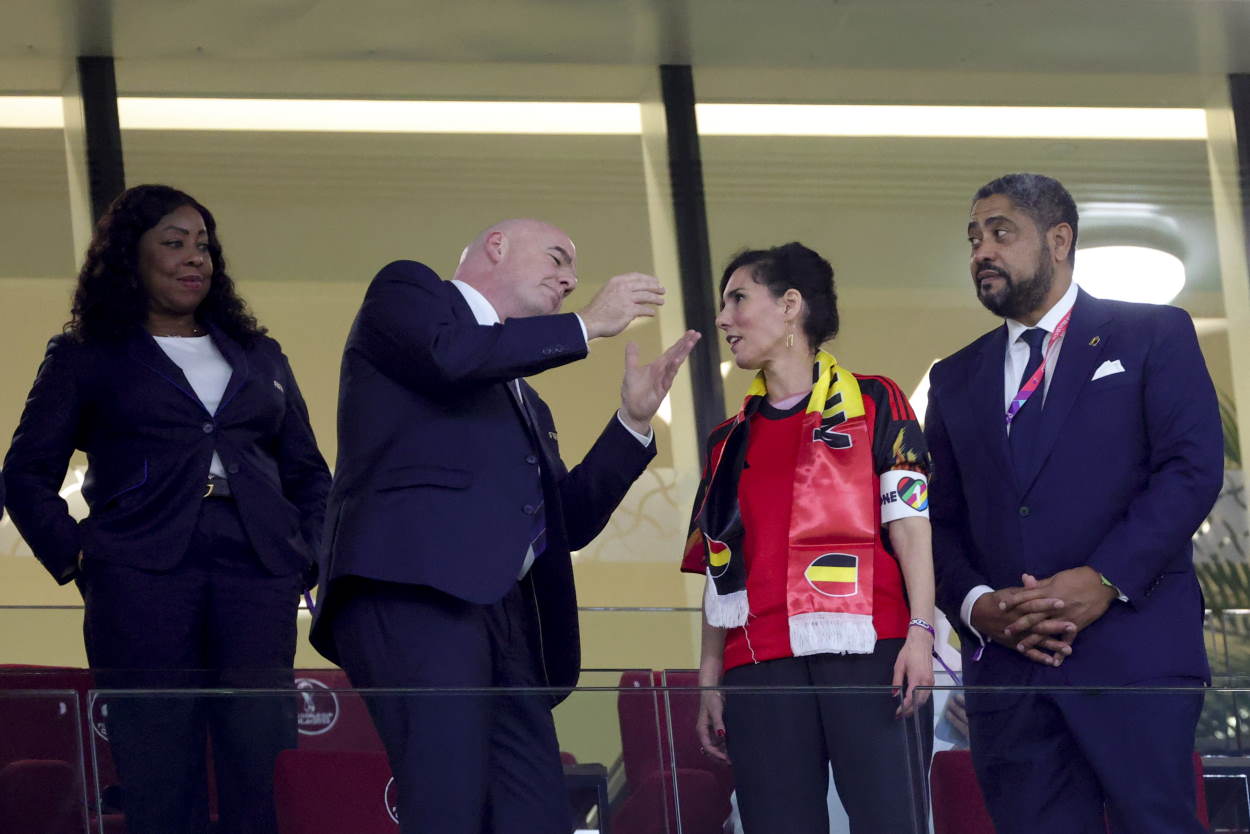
x=1094, y=341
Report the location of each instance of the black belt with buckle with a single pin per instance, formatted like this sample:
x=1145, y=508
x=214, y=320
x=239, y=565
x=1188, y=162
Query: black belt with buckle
x=217, y=488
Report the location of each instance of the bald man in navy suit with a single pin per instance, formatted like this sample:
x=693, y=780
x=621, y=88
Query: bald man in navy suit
x=452, y=517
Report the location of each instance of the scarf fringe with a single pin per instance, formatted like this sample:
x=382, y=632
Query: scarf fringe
x=725, y=610
x=831, y=633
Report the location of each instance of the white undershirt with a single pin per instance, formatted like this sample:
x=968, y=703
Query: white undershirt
x=1017, y=358
x=207, y=371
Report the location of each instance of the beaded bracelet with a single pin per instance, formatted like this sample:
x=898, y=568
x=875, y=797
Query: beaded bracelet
x=919, y=623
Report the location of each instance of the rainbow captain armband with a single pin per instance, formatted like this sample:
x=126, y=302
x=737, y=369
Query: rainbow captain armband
x=904, y=494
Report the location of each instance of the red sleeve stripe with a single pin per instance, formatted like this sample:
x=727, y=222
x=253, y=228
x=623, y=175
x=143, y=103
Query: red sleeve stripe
x=900, y=408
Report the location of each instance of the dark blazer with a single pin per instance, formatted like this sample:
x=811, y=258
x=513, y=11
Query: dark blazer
x=438, y=469
x=149, y=442
x=1129, y=466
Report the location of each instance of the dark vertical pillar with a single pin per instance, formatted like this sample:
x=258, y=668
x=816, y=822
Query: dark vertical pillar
x=1239, y=95
x=106, y=175
x=690, y=218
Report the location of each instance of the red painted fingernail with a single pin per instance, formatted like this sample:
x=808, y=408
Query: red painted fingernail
x=720, y=733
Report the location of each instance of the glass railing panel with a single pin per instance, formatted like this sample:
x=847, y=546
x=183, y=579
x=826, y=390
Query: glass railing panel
x=314, y=760
x=632, y=760
x=799, y=758
x=1117, y=772
x=1227, y=640
x=42, y=761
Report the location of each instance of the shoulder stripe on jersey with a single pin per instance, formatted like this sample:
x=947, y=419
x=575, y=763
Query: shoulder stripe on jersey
x=877, y=384
x=900, y=409
x=905, y=411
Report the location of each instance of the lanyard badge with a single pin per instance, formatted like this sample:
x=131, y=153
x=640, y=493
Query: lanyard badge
x=1034, y=382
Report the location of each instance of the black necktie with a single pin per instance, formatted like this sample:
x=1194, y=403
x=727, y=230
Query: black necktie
x=1027, y=423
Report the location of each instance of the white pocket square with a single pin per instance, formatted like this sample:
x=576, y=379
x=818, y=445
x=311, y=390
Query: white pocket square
x=1111, y=366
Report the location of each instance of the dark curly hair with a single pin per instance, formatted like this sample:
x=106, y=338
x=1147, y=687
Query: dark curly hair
x=794, y=266
x=110, y=300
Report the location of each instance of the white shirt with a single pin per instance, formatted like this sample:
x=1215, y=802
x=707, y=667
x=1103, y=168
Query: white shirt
x=487, y=316
x=1014, y=363
x=207, y=371
x=1018, y=349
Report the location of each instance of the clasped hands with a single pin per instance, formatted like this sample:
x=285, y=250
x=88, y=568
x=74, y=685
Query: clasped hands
x=1041, y=617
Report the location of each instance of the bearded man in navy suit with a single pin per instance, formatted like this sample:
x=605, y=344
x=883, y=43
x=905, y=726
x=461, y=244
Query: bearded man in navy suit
x=452, y=517
x=1075, y=450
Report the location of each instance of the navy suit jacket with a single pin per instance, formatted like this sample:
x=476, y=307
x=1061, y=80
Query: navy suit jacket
x=1129, y=465
x=149, y=443
x=438, y=469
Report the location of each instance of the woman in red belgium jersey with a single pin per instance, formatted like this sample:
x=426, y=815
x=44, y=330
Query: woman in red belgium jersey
x=811, y=526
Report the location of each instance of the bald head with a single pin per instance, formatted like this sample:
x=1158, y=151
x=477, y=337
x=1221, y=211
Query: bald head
x=524, y=267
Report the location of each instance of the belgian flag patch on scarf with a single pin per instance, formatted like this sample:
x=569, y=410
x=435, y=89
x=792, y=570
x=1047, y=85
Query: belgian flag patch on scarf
x=834, y=574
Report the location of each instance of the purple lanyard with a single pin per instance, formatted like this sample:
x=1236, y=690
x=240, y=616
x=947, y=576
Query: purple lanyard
x=954, y=675
x=1034, y=382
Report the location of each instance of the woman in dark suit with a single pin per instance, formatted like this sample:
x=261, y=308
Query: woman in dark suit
x=206, y=494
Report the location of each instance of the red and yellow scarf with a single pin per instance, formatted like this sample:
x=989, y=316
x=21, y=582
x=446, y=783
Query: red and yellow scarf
x=833, y=526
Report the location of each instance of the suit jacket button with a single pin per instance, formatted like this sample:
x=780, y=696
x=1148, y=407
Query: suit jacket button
x=232, y=469
x=528, y=509
x=531, y=459
x=208, y=428
x=1024, y=512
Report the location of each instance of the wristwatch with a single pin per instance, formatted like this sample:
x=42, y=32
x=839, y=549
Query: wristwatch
x=1118, y=593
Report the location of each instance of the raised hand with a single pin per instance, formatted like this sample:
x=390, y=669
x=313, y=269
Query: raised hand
x=620, y=301
x=644, y=387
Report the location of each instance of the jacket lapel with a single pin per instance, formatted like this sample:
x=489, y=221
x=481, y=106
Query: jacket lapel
x=987, y=397
x=240, y=368
x=142, y=348
x=460, y=309
x=1078, y=357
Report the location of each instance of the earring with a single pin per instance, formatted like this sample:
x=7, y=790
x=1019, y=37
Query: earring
x=790, y=339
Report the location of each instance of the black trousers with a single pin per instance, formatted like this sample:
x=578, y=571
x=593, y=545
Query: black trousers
x=783, y=745
x=464, y=763
x=217, y=620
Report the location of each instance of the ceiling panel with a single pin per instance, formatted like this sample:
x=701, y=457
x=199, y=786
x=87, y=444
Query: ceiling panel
x=1072, y=35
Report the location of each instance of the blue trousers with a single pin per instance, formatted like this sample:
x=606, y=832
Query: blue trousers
x=1057, y=761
